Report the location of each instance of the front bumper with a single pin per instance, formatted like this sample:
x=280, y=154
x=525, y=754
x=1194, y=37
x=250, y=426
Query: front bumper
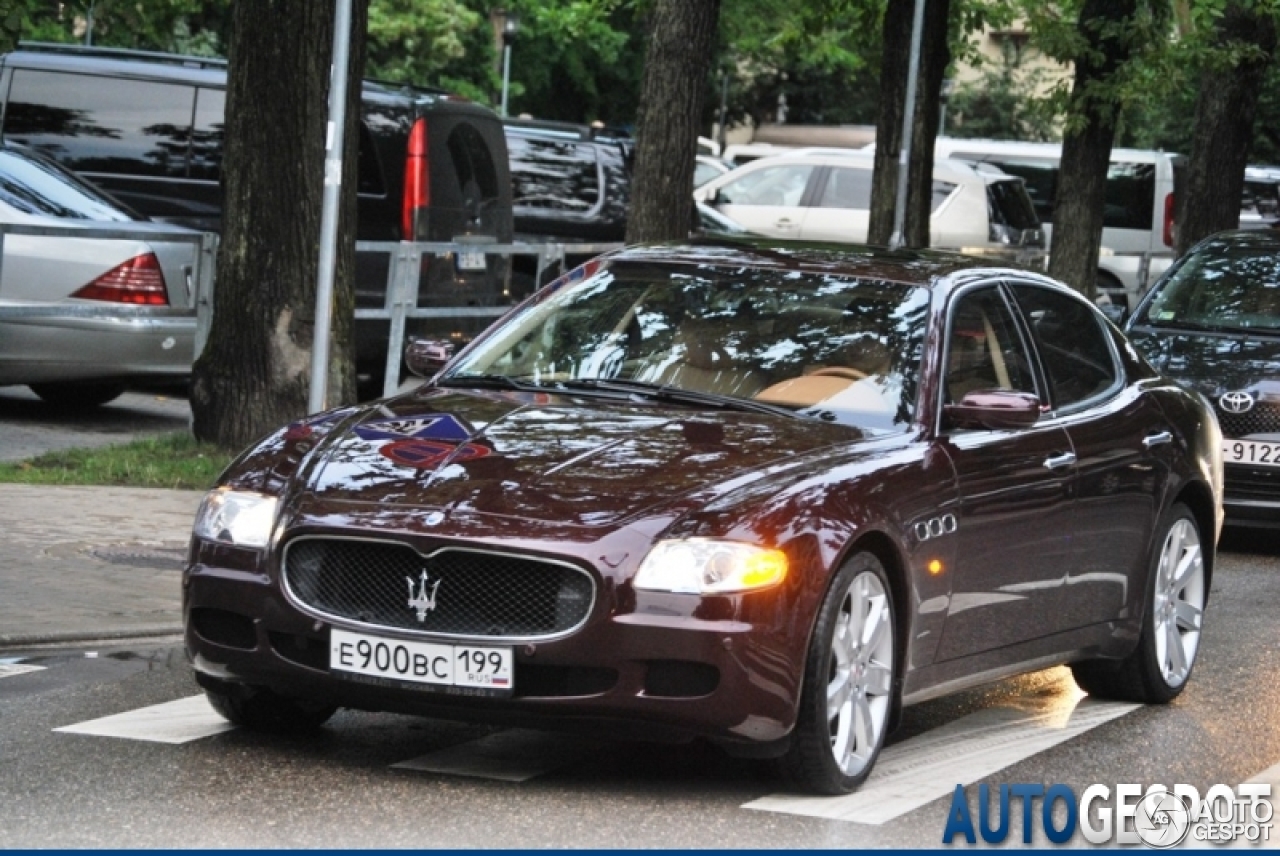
x=666, y=667
x=1251, y=496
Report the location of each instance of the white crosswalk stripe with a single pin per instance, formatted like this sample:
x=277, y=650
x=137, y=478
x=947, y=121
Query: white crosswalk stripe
x=921, y=769
x=173, y=722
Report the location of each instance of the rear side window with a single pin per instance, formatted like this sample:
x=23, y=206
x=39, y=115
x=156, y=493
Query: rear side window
x=131, y=126
x=1009, y=205
x=36, y=187
x=473, y=163
x=207, y=134
x=556, y=174
x=1131, y=189
x=1073, y=345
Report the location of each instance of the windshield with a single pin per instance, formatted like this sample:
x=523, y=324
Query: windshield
x=1233, y=288
x=819, y=345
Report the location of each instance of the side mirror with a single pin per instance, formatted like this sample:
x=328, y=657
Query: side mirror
x=425, y=357
x=710, y=197
x=994, y=409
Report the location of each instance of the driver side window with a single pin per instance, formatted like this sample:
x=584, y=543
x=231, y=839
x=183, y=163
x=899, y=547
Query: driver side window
x=984, y=348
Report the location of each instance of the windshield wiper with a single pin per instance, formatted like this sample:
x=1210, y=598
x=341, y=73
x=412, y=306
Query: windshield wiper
x=486, y=381
x=666, y=392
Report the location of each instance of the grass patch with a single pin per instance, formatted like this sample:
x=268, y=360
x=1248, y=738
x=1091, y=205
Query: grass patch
x=170, y=460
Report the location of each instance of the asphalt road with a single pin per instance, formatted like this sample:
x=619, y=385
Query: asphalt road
x=29, y=427
x=343, y=788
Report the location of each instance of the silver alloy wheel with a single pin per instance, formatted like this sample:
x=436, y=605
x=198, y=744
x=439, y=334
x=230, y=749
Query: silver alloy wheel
x=861, y=675
x=1179, y=602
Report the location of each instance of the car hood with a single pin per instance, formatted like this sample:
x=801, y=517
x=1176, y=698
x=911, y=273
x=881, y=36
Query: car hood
x=545, y=457
x=1210, y=363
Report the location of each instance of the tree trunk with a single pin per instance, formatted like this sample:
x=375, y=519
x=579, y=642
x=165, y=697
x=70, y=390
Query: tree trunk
x=1223, y=130
x=1086, y=146
x=254, y=373
x=893, y=99
x=682, y=35
x=935, y=55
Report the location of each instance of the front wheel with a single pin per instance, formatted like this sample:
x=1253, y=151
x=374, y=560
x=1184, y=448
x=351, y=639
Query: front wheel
x=847, y=697
x=1160, y=666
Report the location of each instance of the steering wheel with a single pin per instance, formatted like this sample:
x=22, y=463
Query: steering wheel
x=839, y=371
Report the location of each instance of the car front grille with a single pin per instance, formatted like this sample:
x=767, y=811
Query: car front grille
x=450, y=592
x=1252, y=484
x=1263, y=418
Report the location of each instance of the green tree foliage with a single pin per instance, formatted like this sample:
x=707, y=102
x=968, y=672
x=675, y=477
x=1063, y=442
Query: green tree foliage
x=197, y=27
x=1002, y=104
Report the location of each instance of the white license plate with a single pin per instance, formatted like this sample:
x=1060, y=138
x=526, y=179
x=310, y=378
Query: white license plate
x=1252, y=452
x=470, y=260
x=471, y=666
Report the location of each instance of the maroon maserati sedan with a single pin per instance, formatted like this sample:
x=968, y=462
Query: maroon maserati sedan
x=761, y=494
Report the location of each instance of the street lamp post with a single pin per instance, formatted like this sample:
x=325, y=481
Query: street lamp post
x=507, y=23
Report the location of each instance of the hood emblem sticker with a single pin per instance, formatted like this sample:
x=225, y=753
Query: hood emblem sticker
x=424, y=600
x=1236, y=402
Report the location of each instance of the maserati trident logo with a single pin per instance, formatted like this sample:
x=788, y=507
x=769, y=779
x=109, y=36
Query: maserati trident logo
x=1236, y=402
x=424, y=600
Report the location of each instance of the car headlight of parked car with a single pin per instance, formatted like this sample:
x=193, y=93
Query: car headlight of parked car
x=238, y=517
x=707, y=566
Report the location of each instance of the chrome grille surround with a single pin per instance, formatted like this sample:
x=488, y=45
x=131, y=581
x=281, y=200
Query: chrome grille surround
x=483, y=594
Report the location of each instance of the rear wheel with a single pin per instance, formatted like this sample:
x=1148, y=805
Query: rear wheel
x=77, y=396
x=1160, y=666
x=847, y=698
x=264, y=710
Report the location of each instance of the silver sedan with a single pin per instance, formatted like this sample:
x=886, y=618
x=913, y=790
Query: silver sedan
x=62, y=330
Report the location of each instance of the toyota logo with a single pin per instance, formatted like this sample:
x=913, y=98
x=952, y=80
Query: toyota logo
x=1236, y=402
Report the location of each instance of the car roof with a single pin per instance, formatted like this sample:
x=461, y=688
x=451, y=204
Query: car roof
x=194, y=70
x=944, y=168
x=912, y=266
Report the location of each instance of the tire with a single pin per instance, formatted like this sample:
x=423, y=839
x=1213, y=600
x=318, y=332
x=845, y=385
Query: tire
x=852, y=656
x=263, y=710
x=1176, y=591
x=77, y=396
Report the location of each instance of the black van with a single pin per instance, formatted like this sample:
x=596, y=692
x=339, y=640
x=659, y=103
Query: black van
x=148, y=128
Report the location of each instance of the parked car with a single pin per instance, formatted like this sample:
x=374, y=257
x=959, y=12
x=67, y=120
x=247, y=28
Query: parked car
x=825, y=195
x=755, y=492
x=1138, y=218
x=571, y=184
x=1213, y=323
x=69, y=358
x=148, y=128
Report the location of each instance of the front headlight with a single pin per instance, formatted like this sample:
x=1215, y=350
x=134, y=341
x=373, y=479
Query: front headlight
x=236, y=517
x=705, y=566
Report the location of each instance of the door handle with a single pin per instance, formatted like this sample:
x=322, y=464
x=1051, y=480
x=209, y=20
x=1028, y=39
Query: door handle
x=784, y=223
x=1157, y=439
x=1057, y=462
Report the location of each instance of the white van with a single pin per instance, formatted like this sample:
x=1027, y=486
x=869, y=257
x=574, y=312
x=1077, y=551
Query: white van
x=1137, y=235
x=820, y=194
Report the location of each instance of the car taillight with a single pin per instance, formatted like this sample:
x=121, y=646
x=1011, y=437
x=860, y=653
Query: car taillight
x=417, y=183
x=1168, y=220
x=138, y=280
